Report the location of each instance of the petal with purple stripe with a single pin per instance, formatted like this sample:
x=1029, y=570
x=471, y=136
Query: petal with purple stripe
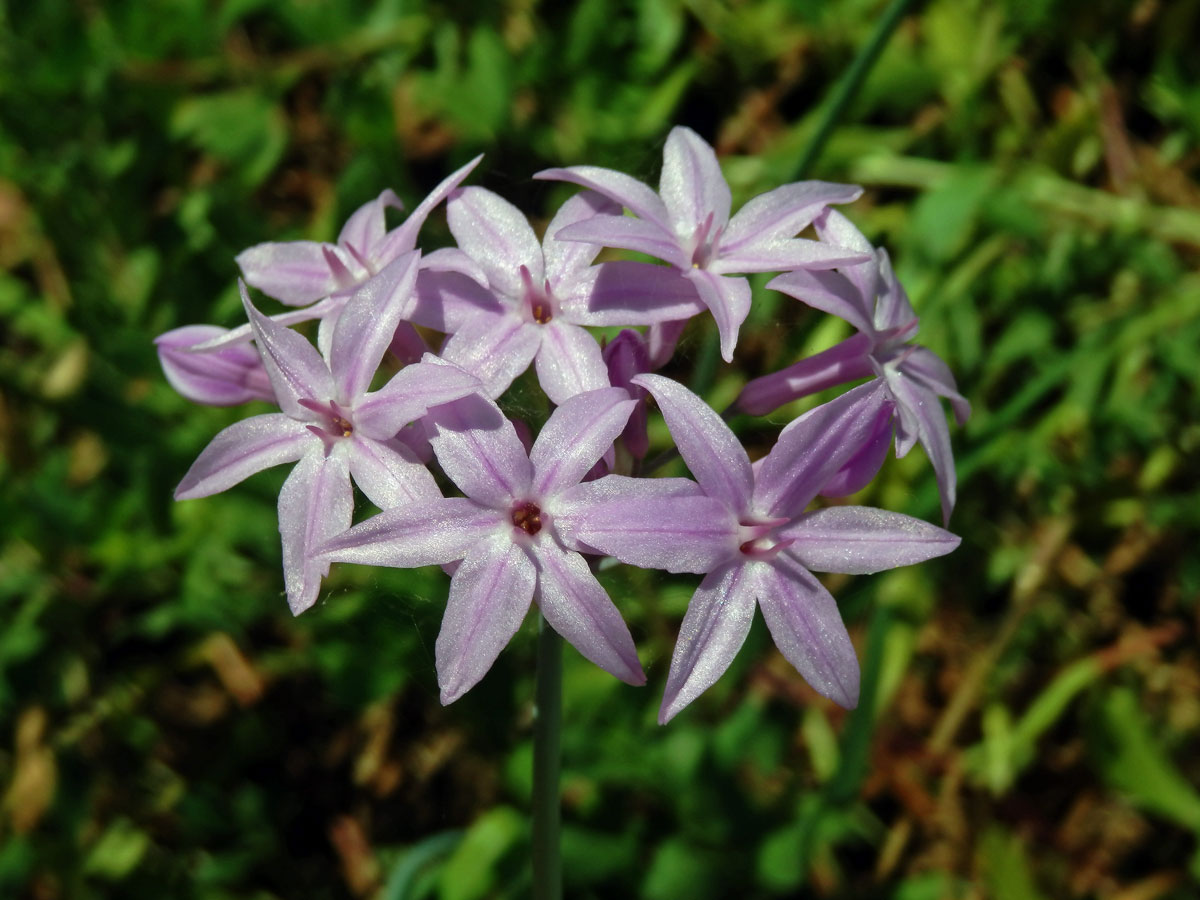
x=480, y=451
x=569, y=362
x=575, y=436
x=315, y=503
x=242, y=449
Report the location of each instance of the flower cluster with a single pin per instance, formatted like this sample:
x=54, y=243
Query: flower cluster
x=535, y=515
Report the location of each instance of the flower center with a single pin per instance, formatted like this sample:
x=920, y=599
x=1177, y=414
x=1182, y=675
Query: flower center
x=343, y=425
x=528, y=517
x=541, y=306
x=758, y=540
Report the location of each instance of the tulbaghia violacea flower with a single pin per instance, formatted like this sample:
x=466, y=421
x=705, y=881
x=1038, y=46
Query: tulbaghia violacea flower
x=687, y=224
x=504, y=532
x=539, y=295
x=226, y=376
x=333, y=427
x=869, y=297
x=757, y=544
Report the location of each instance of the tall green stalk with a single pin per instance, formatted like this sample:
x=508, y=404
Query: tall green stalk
x=547, y=735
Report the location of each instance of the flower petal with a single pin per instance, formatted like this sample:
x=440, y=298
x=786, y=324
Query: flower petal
x=578, y=608
x=661, y=340
x=390, y=475
x=403, y=239
x=448, y=301
x=569, y=362
x=296, y=369
x=451, y=259
x=409, y=393
x=860, y=540
x=783, y=255
x=315, y=503
x=625, y=233
x=489, y=596
x=480, y=451
x=223, y=377
x=565, y=258
x=784, y=212
x=847, y=361
x=893, y=309
x=713, y=630
x=242, y=449
x=728, y=299
x=712, y=452
x=933, y=432
x=829, y=292
x=691, y=184
x=366, y=226
x=628, y=293
x=857, y=472
x=808, y=630
x=929, y=370
x=575, y=436
x=617, y=186
x=496, y=235
x=293, y=272
x=494, y=348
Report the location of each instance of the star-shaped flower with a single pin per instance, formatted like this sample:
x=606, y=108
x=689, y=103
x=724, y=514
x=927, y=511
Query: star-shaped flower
x=687, y=224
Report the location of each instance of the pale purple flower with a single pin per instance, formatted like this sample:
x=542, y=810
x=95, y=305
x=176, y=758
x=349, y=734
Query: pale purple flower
x=506, y=535
x=226, y=376
x=540, y=295
x=869, y=297
x=687, y=224
x=754, y=540
x=334, y=427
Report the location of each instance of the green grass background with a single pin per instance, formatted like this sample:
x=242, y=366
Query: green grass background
x=1030, y=725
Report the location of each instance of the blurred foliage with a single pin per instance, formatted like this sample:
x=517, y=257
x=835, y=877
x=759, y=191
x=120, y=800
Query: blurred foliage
x=1030, y=725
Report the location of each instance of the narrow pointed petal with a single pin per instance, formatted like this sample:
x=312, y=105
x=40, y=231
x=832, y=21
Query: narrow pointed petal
x=315, y=503
x=494, y=348
x=928, y=369
x=564, y=258
x=451, y=259
x=712, y=452
x=294, y=366
x=448, y=301
x=652, y=523
x=628, y=293
x=480, y=451
x=409, y=394
x=784, y=212
x=569, y=362
x=625, y=233
x=575, y=436
x=728, y=299
x=856, y=473
x=242, y=449
x=815, y=446
x=713, y=631
x=829, y=292
x=933, y=432
x=404, y=238
x=894, y=309
x=367, y=324
x=578, y=608
x=424, y=533
x=366, y=226
x=223, y=377
x=841, y=363
x=496, y=235
x=390, y=475
x=784, y=255
x=691, y=184
x=808, y=630
x=293, y=272
x=860, y=540
x=489, y=596
x=618, y=187
x=244, y=334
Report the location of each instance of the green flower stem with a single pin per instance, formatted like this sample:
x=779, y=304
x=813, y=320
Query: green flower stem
x=848, y=87
x=547, y=733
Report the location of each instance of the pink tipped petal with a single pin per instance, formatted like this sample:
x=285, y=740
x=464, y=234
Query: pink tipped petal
x=815, y=446
x=575, y=436
x=489, y=596
x=366, y=226
x=661, y=340
x=404, y=238
x=448, y=301
x=709, y=448
x=495, y=349
x=367, y=325
x=628, y=293
x=496, y=235
x=564, y=258
x=223, y=377
x=860, y=540
x=293, y=272
x=784, y=212
x=691, y=185
x=242, y=449
x=625, y=233
x=569, y=362
x=933, y=432
x=423, y=533
x=578, y=608
x=315, y=503
x=829, y=292
x=728, y=299
x=927, y=369
x=847, y=361
x=294, y=366
x=713, y=631
x=618, y=187
x=409, y=393
x=390, y=475
x=641, y=524
x=784, y=254
x=480, y=451
x=808, y=630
